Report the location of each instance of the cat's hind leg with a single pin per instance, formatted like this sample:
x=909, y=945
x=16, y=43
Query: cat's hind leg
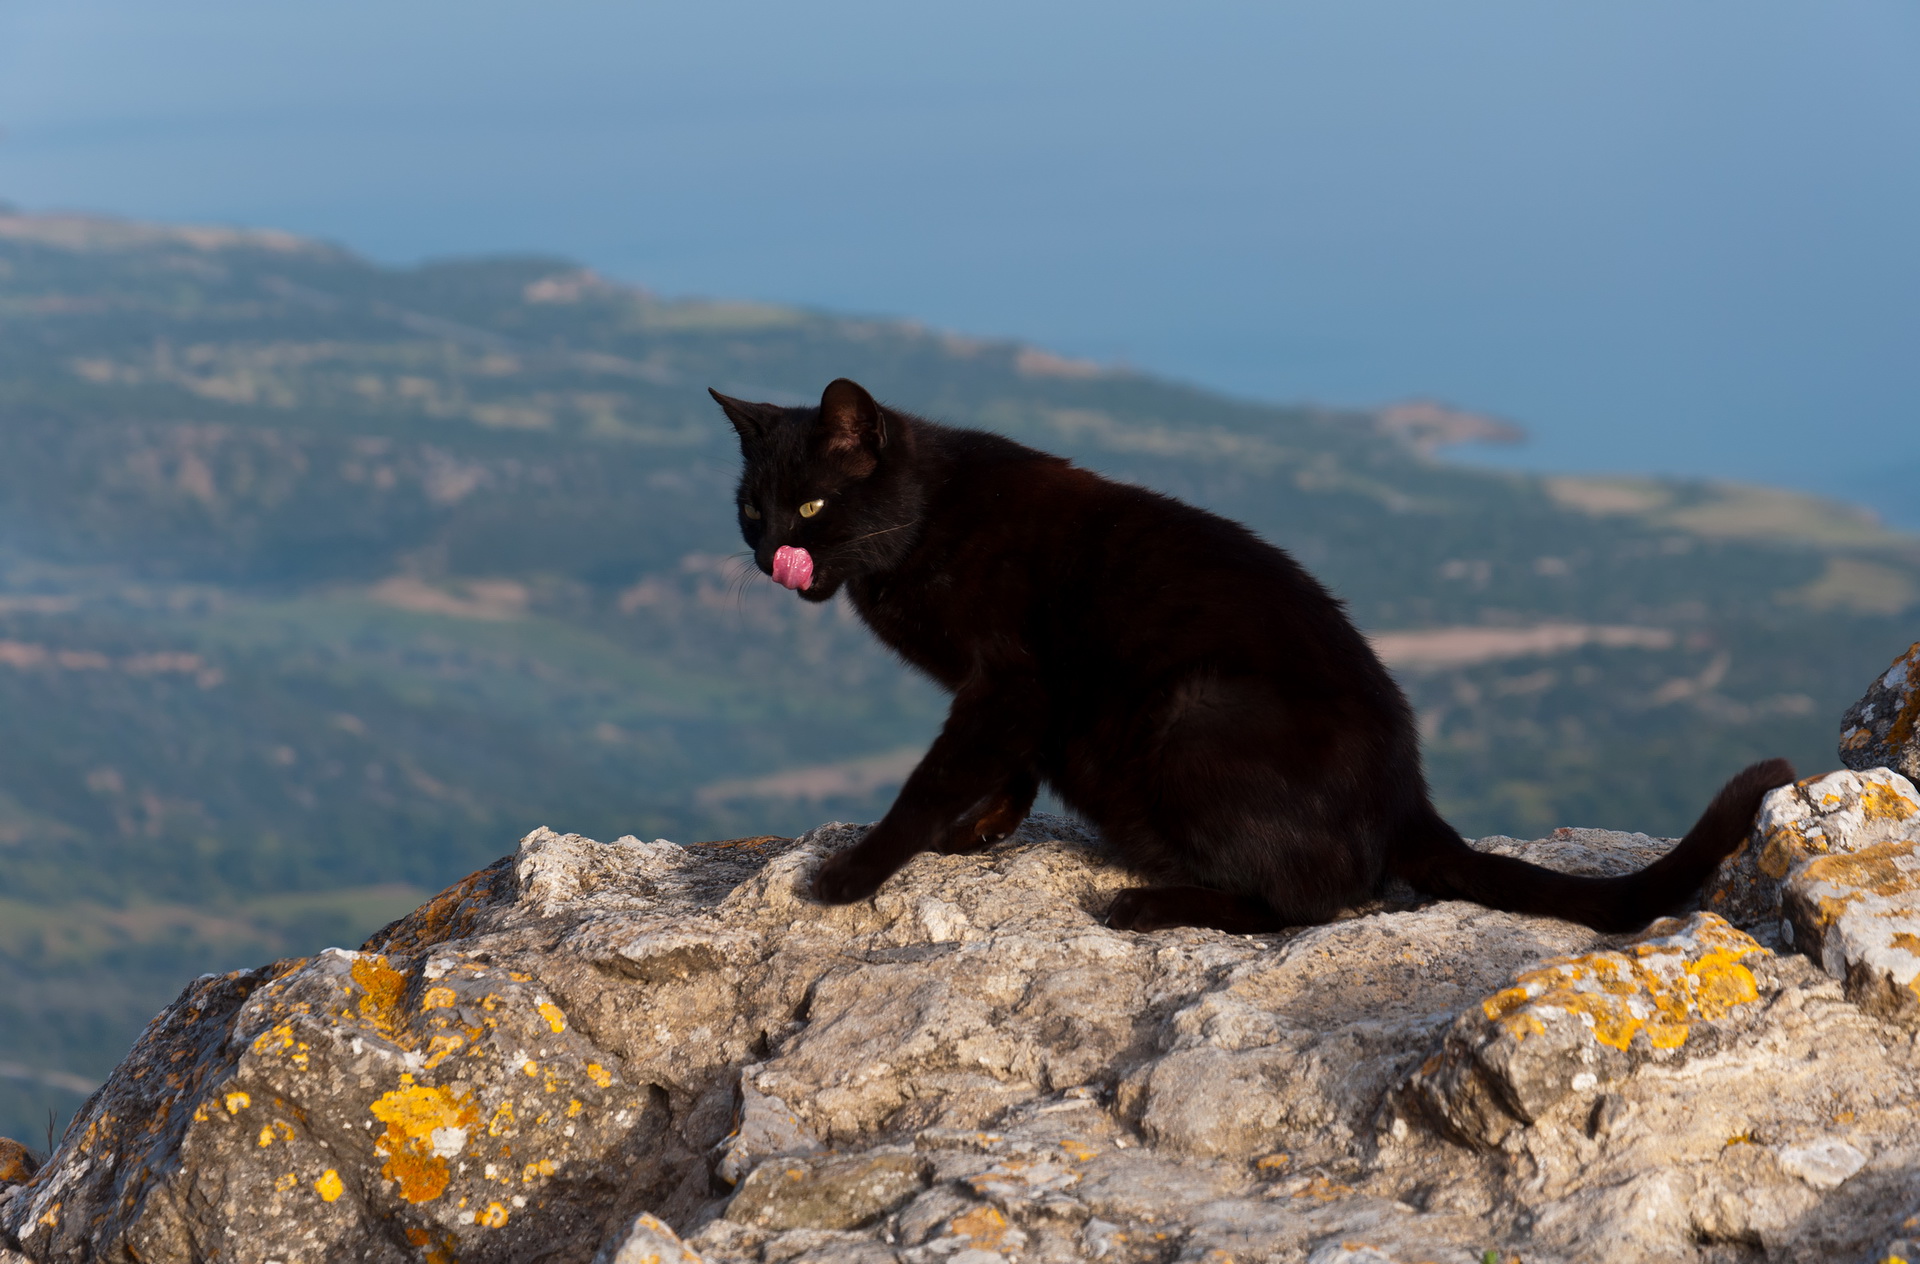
x=1248, y=810
x=1156, y=908
x=996, y=818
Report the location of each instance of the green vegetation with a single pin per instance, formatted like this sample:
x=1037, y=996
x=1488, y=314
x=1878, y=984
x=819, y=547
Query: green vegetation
x=321, y=583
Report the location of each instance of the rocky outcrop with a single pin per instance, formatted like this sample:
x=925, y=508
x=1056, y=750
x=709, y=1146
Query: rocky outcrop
x=1831, y=868
x=1577, y=1024
x=1882, y=730
x=639, y=1051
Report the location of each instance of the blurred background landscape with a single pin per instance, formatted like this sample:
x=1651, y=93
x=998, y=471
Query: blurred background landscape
x=344, y=543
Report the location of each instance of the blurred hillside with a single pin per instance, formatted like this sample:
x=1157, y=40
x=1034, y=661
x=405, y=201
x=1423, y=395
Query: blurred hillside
x=321, y=583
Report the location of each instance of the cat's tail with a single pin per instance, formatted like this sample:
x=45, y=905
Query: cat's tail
x=1434, y=858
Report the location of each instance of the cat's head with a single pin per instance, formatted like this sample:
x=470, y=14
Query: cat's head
x=826, y=494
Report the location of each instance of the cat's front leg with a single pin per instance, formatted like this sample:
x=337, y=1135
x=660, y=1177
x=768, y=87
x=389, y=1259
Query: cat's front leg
x=970, y=780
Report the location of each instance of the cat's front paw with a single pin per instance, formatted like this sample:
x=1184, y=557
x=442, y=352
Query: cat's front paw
x=846, y=877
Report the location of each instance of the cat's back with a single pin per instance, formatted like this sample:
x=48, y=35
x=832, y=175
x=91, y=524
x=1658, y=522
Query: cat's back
x=1149, y=575
x=1099, y=531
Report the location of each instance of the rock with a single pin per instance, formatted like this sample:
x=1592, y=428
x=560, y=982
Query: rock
x=768, y=1127
x=626, y=1051
x=646, y=1241
x=1859, y=916
x=1575, y=1025
x=1832, y=869
x=1904, y=1249
x=841, y=1192
x=1350, y=1253
x=1833, y=814
x=1822, y=1164
x=1883, y=728
x=17, y=1163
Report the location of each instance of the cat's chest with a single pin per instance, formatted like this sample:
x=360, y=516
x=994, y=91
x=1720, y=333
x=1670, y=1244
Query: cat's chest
x=933, y=620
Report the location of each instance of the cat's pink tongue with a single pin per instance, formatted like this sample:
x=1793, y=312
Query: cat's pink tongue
x=792, y=567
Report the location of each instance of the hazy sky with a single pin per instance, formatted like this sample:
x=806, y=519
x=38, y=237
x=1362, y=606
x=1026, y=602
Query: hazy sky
x=1674, y=237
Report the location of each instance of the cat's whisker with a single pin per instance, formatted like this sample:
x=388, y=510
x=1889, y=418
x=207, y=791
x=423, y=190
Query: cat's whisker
x=869, y=535
x=743, y=573
x=849, y=550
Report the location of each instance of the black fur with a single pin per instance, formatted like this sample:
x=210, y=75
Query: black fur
x=1179, y=682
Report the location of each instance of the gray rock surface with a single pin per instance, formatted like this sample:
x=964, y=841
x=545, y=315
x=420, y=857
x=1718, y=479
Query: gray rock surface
x=1882, y=730
x=635, y=1051
x=648, y=1240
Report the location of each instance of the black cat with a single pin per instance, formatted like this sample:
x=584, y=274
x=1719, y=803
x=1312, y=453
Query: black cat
x=1179, y=682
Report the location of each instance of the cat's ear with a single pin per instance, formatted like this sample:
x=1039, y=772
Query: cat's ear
x=852, y=427
x=752, y=421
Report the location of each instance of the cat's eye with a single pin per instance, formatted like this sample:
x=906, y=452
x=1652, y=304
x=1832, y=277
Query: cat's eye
x=812, y=507
x=750, y=511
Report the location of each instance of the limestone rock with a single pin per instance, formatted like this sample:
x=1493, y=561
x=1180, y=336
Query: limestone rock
x=1832, y=814
x=1858, y=914
x=768, y=1128
x=1883, y=728
x=647, y=1240
x=840, y=1192
x=625, y=1051
x=1575, y=1025
x=1832, y=869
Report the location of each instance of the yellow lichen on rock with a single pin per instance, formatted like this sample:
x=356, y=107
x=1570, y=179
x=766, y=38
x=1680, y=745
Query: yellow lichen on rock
x=982, y=1229
x=442, y=1047
x=1834, y=871
x=1782, y=847
x=1858, y=915
x=1838, y=812
x=1907, y=719
x=16, y=1162
x=279, y=1039
x=1883, y=728
x=381, y=986
x=1567, y=1025
x=426, y=1125
x=329, y=1186
x=1659, y=986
